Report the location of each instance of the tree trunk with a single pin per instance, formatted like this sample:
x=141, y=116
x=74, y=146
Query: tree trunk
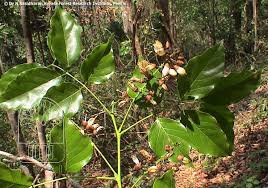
x=234, y=31
x=130, y=16
x=249, y=44
x=255, y=18
x=27, y=32
x=163, y=5
x=19, y=139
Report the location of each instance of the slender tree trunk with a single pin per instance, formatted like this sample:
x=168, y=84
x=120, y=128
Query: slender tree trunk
x=249, y=44
x=19, y=139
x=255, y=18
x=130, y=16
x=27, y=32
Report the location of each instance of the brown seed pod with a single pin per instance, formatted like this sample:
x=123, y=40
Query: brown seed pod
x=179, y=62
x=152, y=169
x=89, y=127
x=167, y=44
x=165, y=70
x=164, y=86
x=137, y=80
x=153, y=102
x=149, y=97
x=132, y=86
x=137, y=166
x=172, y=72
x=181, y=58
x=180, y=158
x=161, y=81
x=95, y=132
x=168, y=148
x=84, y=123
x=158, y=165
x=181, y=71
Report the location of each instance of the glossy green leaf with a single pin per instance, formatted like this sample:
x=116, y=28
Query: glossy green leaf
x=197, y=129
x=225, y=119
x=71, y=149
x=234, y=87
x=166, y=181
x=164, y=132
x=12, y=74
x=65, y=101
x=203, y=73
x=99, y=65
x=28, y=88
x=204, y=133
x=64, y=38
x=13, y=178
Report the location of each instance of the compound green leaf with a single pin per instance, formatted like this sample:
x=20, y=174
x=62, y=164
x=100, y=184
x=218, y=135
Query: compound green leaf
x=166, y=181
x=164, y=132
x=234, y=87
x=203, y=73
x=64, y=38
x=99, y=65
x=12, y=74
x=13, y=178
x=71, y=150
x=28, y=88
x=225, y=119
x=65, y=100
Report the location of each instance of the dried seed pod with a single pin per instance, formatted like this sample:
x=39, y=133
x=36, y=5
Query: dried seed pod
x=140, y=80
x=168, y=148
x=165, y=70
x=167, y=44
x=164, y=86
x=161, y=81
x=181, y=71
x=186, y=160
x=152, y=169
x=153, y=102
x=180, y=158
x=181, y=58
x=137, y=166
x=132, y=86
x=158, y=165
x=172, y=72
x=91, y=121
x=151, y=93
x=179, y=62
x=149, y=97
x=84, y=123
x=159, y=49
x=151, y=66
x=89, y=127
x=135, y=159
x=169, y=166
x=95, y=132
x=95, y=126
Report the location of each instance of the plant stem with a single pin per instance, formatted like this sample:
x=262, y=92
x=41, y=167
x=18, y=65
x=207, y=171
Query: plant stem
x=106, y=178
x=118, y=177
x=126, y=115
x=138, y=180
x=124, y=131
x=59, y=179
x=104, y=158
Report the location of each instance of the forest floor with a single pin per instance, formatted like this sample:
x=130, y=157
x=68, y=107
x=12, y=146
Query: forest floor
x=248, y=165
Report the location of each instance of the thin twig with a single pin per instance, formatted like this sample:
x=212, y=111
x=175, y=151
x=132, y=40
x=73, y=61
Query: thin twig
x=25, y=158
